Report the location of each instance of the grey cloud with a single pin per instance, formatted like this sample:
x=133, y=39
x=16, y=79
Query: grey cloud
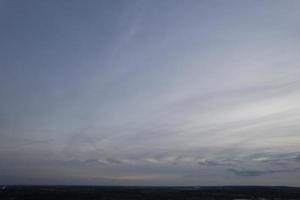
x=90, y=162
x=261, y=172
x=247, y=172
x=275, y=158
x=209, y=163
x=114, y=161
x=213, y=163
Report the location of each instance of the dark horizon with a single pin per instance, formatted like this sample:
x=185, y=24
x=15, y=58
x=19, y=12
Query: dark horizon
x=152, y=186
x=146, y=193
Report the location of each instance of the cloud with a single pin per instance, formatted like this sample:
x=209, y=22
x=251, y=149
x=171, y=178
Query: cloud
x=276, y=158
x=221, y=162
x=250, y=173
x=91, y=162
x=113, y=161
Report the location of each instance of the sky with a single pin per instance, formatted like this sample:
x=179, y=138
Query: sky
x=150, y=92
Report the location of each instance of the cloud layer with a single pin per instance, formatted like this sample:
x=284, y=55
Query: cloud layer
x=150, y=92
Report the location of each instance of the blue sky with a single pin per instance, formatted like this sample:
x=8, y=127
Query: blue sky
x=150, y=92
